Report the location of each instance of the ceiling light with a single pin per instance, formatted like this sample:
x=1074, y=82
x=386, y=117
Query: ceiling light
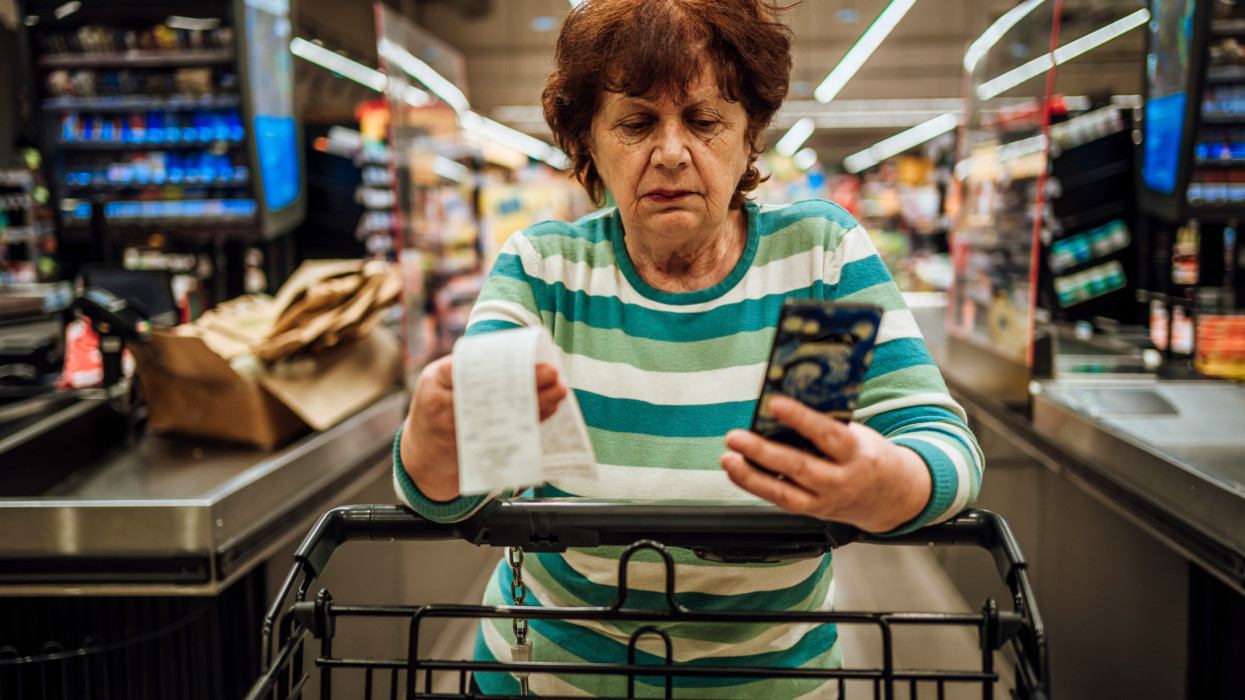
x=426, y=74
x=1014, y=77
x=900, y=142
x=862, y=50
x=979, y=48
x=67, y=9
x=361, y=74
x=1061, y=55
x=192, y=23
x=805, y=159
x=1096, y=38
x=449, y=169
x=519, y=141
x=795, y=137
x=576, y=3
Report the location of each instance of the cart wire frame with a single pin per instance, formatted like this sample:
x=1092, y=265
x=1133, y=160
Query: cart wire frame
x=714, y=531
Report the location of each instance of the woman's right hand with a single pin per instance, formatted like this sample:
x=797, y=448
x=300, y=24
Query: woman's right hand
x=429, y=446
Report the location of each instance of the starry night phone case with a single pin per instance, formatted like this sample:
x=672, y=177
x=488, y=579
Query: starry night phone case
x=820, y=355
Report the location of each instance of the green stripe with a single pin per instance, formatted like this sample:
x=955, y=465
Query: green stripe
x=631, y=450
x=654, y=355
x=900, y=383
x=595, y=254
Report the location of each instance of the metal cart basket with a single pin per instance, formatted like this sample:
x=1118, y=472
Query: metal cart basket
x=737, y=533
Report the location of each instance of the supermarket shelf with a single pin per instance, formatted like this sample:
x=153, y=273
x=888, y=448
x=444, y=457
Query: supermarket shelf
x=144, y=145
x=1222, y=118
x=140, y=102
x=137, y=59
x=24, y=233
x=1222, y=27
x=121, y=187
x=1225, y=74
x=1219, y=161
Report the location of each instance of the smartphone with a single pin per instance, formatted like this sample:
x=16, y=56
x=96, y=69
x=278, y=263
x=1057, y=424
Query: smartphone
x=821, y=352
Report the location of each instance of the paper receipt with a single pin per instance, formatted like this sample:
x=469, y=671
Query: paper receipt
x=502, y=444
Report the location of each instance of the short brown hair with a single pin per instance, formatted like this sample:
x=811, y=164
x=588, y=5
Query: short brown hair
x=645, y=47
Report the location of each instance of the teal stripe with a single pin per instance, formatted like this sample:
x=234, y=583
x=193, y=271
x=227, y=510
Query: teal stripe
x=490, y=326
x=897, y=354
x=860, y=275
x=891, y=422
x=945, y=481
x=608, y=312
x=436, y=511
x=778, y=219
x=492, y=683
x=632, y=416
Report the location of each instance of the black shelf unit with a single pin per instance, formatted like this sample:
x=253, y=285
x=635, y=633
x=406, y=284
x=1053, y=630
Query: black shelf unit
x=1087, y=267
x=171, y=122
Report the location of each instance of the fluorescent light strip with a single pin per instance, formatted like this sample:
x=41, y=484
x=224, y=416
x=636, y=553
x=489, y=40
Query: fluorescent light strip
x=1061, y=55
x=1015, y=76
x=361, y=74
x=795, y=137
x=862, y=50
x=67, y=9
x=449, y=169
x=517, y=140
x=1094, y=39
x=201, y=24
x=805, y=159
x=900, y=142
x=426, y=74
x=979, y=48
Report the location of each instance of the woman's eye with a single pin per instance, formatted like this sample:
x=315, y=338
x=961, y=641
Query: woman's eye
x=634, y=127
x=704, y=123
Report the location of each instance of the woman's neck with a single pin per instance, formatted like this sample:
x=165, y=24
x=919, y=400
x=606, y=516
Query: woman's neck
x=689, y=266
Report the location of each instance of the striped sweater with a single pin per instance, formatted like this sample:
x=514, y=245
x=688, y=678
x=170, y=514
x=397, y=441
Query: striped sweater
x=661, y=377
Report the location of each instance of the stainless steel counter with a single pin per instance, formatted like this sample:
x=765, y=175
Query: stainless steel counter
x=1179, y=445
x=172, y=516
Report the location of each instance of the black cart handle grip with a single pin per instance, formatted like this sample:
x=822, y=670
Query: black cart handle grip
x=738, y=532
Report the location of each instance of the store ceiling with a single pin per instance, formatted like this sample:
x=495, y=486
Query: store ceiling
x=508, y=49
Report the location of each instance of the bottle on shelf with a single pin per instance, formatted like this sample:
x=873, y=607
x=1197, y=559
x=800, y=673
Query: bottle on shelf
x=1185, y=252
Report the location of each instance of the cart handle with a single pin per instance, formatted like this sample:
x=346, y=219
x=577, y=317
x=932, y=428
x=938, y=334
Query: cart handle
x=734, y=532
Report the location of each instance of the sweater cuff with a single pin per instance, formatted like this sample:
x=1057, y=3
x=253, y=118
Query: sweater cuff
x=944, y=481
x=437, y=511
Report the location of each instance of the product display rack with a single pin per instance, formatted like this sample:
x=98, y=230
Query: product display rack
x=173, y=121
x=1087, y=267
x=1192, y=151
x=27, y=240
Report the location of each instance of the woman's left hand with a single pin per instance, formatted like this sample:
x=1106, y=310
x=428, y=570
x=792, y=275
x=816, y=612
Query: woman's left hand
x=861, y=478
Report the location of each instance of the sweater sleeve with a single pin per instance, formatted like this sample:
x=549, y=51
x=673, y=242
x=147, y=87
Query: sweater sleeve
x=904, y=396
x=507, y=300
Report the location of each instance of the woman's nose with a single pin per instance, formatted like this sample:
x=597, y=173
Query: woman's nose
x=671, y=150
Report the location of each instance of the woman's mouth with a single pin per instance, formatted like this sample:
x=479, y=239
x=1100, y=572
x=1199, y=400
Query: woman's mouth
x=667, y=196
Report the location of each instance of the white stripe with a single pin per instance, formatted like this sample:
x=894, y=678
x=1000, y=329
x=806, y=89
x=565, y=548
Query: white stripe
x=933, y=398
x=962, y=472
x=619, y=380
x=655, y=483
x=715, y=580
x=501, y=310
x=897, y=323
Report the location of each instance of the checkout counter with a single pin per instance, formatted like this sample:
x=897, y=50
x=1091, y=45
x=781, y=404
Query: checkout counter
x=1127, y=494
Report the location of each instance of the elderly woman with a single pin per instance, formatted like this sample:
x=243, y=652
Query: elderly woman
x=664, y=306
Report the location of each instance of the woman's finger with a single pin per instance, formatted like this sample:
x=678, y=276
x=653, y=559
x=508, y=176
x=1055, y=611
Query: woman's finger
x=797, y=466
x=444, y=374
x=783, y=493
x=546, y=376
x=549, y=398
x=833, y=438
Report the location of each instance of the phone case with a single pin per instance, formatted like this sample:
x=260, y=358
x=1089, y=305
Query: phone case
x=820, y=355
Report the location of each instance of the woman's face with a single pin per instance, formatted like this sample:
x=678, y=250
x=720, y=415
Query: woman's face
x=671, y=166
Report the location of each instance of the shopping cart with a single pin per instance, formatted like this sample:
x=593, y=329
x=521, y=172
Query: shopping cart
x=736, y=533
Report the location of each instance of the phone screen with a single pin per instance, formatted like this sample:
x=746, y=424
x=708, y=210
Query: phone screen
x=820, y=355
